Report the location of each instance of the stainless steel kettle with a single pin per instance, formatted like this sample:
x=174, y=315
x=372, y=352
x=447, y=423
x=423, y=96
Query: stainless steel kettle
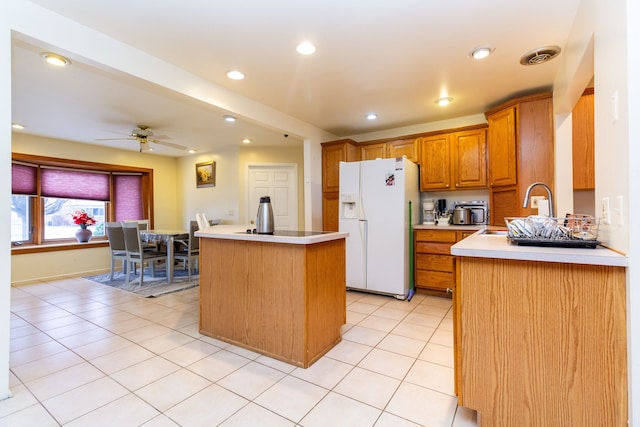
x=264, y=219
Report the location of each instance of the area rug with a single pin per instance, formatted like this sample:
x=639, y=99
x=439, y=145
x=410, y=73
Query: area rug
x=152, y=286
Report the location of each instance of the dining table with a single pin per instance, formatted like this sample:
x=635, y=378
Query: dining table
x=166, y=237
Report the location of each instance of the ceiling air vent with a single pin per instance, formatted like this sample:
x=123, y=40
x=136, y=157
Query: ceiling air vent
x=540, y=55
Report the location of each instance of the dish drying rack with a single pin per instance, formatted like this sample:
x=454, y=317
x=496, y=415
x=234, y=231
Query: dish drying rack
x=573, y=231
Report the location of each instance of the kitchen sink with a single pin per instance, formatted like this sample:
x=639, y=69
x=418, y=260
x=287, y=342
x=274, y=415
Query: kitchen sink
x=495, y=232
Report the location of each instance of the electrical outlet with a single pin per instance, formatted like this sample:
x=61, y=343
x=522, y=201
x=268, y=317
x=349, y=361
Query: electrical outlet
x=534, y=201
x=606, y=211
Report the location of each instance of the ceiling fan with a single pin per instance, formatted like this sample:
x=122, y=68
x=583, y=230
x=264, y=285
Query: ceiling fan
x=144, y=136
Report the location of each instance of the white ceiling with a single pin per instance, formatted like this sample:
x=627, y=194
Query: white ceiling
x=394, y=58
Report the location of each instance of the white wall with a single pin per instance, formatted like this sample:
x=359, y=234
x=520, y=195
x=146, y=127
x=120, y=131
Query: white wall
x=5, y=194
x=227, y=200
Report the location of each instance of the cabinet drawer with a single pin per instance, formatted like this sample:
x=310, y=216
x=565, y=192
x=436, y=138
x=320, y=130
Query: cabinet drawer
x=434, y=279
x=436, y=236
x=435, y=262
x=433, y=248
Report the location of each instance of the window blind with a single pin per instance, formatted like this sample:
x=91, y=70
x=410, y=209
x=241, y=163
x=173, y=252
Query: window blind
x=73, y=184
x=23, y=179
x=127, y=197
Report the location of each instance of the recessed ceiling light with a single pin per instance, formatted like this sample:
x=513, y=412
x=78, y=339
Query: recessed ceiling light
x=229, y=118
x=235, y=75
x=17, y=126
x=191, y=151
x=246, y=141
x=55, y=59
x=444, y=101
x=305, y=48
x=481, y=52
x=371, y=116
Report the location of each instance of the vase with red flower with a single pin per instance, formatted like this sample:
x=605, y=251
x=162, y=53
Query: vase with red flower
x=83, y=219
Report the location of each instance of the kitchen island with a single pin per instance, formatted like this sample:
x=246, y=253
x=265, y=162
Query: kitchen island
x=540, y=333
x=281, y=295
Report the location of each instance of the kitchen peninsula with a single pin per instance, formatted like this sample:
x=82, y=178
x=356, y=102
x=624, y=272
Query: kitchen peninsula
x=540, y=333
x=281, y=295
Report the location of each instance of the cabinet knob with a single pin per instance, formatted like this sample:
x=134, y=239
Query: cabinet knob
x=457, y=185
x=447, y=185
x=449, y=290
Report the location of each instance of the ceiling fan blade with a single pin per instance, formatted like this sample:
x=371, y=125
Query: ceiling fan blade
x=167, y=144
x=114, y=139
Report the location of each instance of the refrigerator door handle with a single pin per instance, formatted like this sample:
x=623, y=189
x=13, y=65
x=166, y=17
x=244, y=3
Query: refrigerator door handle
x=363, y=224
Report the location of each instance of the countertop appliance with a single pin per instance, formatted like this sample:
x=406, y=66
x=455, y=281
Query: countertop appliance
x=478, y=215
x=264, y=218
x=374, y=209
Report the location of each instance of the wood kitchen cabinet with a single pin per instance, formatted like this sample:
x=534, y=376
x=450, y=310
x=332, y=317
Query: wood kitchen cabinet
x=404, y=147
x=453, y=160
x=373, y=151
x=390, y=150
x=541, y=343
x=344, y=150
x=583, y=142
x=433, y=263
x=520, y=152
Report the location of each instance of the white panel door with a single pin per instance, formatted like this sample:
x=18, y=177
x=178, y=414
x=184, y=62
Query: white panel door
x=279, y=182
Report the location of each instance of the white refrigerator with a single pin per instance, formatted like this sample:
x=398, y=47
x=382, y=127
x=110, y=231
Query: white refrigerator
x=374, y=209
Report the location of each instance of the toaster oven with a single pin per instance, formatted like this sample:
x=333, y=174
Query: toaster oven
x=479, y=211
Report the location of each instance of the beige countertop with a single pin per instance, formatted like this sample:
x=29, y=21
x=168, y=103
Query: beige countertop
x=239, y=232
x=497, y=246
x=449, y=227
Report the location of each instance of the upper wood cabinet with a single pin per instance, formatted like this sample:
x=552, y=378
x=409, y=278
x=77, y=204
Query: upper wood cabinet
x=453, y=161
x=333, y=153
x=373, y=151
x=502, y=147
x=404, y=147
x=520, y=152
x=583, y=143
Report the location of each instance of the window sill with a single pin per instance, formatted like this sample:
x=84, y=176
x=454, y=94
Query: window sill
x=32, y=249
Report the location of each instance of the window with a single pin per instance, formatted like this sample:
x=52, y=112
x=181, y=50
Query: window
x=47, y=191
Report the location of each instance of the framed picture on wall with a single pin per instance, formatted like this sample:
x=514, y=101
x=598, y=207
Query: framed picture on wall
x=206, y=174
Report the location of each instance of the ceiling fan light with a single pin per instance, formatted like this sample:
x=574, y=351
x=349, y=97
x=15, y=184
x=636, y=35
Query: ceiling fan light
x=55, y=59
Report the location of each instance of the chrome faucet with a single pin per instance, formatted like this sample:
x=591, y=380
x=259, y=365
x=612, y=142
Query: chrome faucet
x=549, y=196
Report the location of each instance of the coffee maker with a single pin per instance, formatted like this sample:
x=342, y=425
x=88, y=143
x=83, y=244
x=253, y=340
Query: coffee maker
x=428, y=212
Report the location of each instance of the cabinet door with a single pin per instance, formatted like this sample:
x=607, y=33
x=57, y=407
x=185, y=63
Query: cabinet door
x=404, y=147
x=502, y=147
x=469, y=159
x=373, y=151
x=583, y=143
x=435, y=171
x=330, y=208
x=332, y=155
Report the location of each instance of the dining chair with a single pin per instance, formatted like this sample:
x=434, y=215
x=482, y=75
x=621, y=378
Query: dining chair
x=202, y=221
x=115, y=235
x=143, y=224
x=188, y=250
x=136, y=253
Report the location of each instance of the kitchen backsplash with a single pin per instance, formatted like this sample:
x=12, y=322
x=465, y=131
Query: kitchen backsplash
x=454, y=196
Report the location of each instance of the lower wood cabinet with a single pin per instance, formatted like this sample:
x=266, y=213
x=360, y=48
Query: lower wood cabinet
x=434, y=264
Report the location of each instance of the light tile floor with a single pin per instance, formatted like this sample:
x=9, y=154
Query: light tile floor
x=84, y=354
